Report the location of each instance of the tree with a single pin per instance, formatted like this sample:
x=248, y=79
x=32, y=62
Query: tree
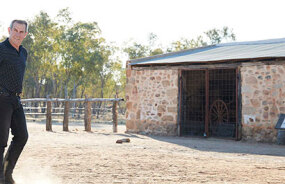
x=154, y=48
x=137, y=50
x=66, y=58
x=217, y=36
x=41, y=61
x=185, y=43
x=210, y=37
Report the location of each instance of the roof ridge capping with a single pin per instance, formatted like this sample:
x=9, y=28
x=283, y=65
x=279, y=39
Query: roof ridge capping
x=258, y=42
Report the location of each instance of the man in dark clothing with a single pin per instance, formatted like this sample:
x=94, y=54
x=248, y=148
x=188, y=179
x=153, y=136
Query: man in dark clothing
x=12, y=68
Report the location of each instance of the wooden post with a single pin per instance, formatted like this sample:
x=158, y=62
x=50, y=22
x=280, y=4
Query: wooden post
x=36, y=110
x=66, y=114
x=48, y=115
x=115, y=116
x=87, y=115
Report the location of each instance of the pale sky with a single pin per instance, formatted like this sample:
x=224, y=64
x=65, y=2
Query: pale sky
x=121, y=20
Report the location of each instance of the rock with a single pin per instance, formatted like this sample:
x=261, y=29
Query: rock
x=126, y=140
x=251, y=80
x=120, y=141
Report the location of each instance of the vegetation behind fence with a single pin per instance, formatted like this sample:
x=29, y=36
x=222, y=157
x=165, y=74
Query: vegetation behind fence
x=74, y=109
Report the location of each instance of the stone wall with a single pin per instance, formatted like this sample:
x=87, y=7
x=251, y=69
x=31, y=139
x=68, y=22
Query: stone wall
x=152, y=101
x=263, y=99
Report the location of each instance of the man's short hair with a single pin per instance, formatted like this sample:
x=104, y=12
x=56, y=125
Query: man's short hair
x=19, y=22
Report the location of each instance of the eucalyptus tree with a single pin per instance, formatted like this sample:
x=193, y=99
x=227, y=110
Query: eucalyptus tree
x=65, y=56
x=185, y=43
x=138, y=50
x=80, y=52
x=210, y=37
x=216, y=36
x=41, y=61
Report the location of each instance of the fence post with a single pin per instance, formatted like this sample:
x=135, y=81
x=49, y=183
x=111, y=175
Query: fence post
x=48, y=115
x=87, y=115
x=115, y=115
x=66, y=115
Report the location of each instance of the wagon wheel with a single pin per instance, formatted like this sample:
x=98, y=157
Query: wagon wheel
x=219, y=113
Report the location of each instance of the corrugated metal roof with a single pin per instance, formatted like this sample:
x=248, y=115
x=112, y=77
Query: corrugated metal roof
x=274, y=48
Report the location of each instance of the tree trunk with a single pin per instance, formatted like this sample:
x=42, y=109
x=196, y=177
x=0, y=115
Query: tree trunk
x=65, y=91
x=82, y=92
x=74, y=90
x=101, y=95
x=61, y=89
x=37, y=92
x=74, y=96
x=54, y=85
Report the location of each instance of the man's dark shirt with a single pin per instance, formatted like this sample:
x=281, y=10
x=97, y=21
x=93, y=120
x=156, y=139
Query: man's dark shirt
x=12, y=67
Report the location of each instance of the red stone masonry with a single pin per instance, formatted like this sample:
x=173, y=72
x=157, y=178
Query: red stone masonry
x=263, y=99
x=151, y=101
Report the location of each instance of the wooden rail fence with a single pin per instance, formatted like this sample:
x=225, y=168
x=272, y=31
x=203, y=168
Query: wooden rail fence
x=87, y=110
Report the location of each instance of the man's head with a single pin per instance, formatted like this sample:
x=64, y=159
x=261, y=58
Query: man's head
x=18, y=30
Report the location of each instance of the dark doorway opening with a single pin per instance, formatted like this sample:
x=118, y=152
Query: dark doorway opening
x=208, y=103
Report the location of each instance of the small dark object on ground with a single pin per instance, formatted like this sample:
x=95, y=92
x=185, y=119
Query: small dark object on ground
x=120, y=141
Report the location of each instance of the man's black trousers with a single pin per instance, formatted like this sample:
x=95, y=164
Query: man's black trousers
x=12, y=116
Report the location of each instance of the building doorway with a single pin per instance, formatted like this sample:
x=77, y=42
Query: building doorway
x=208, y=103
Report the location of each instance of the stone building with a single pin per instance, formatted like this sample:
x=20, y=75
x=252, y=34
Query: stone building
x=233, y=90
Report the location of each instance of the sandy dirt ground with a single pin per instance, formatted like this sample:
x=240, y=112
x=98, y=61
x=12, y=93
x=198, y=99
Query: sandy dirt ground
x=79, y=157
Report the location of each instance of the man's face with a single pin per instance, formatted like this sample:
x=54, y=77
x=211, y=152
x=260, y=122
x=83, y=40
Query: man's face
x=17, y=34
